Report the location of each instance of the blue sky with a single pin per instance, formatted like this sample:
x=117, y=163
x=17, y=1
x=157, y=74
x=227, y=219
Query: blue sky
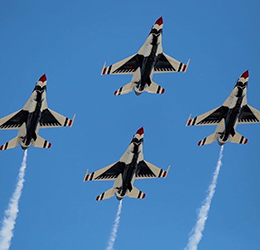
x=70, y=41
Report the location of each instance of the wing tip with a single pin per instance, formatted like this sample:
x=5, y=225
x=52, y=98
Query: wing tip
x=185, y=67
x=103, y=72
x=167, y=171
x=72, y=121
x=188, y=123
x=86, y=176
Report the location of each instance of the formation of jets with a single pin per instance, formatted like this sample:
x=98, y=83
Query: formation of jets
x=149, y=59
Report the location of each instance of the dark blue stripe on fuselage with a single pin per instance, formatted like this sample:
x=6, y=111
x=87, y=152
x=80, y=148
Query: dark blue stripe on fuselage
x=33, y=120
x=129, y=172
x=148, y=64
x=231, y=119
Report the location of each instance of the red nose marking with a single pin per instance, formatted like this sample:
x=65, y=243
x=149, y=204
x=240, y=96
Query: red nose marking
x=159, y=21
x=140, y=131
x=43, y=78
x=245, y=74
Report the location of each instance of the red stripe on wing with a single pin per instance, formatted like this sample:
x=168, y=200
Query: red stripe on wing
x=104, y=71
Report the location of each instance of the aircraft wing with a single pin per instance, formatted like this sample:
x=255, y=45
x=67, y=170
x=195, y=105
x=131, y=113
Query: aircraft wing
x=165, y=63
x=212, y=117
x=126, y=66
x=107, y=173
x=146, y=170
x=50, y=118
x=249, y=115
x=14, y=120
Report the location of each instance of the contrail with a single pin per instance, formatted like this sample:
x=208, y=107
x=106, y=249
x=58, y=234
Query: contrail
x=203, y=212
x=11, y=212
x=115, y=227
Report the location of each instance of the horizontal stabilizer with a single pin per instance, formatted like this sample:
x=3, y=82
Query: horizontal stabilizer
x=155, y=88
x=106, y=195
x=11, y=144
x=41, y=143
x=208, y=140
x=125, y=89
x=238, y=138
x=136, y=193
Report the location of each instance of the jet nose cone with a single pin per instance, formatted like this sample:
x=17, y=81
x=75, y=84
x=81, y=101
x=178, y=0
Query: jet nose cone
x=245, y=74
x=43, y=78
x=140, y=131
x=159, y=21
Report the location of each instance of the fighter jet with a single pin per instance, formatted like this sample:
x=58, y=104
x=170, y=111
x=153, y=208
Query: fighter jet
x=149, y=59
x=34, y=115
x=234, y=111
x=124, y=172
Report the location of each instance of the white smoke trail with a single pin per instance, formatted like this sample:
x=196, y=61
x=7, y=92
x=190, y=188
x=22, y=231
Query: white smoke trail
x=11, y=212
x=203, y=212
x=115, y=227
